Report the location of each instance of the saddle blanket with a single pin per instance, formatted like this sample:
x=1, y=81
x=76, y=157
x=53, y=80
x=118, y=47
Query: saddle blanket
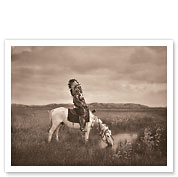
x=73, y=116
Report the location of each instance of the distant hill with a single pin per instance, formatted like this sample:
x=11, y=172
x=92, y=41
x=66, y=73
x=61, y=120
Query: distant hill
x=117, y=106
x=91, y=106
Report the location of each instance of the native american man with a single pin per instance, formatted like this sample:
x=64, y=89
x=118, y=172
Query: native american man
x=79, y=101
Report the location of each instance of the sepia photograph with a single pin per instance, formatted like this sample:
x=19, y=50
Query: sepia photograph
x=88, y=104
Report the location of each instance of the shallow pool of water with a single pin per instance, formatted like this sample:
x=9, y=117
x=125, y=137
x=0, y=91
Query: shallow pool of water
x=121, y=137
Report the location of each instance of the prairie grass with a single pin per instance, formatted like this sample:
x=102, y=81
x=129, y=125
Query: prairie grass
x=29, y=132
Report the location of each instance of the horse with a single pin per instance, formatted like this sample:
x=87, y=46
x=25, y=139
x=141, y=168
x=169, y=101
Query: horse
x=59, y=117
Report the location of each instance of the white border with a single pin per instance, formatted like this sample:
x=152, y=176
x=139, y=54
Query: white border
x=9, y=43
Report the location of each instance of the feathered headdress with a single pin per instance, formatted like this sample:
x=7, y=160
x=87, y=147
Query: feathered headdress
x=71, y=81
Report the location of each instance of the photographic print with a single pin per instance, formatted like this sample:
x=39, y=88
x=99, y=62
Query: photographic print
x=89, y=104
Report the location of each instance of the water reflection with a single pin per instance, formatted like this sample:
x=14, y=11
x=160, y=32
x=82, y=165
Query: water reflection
x=122, y=137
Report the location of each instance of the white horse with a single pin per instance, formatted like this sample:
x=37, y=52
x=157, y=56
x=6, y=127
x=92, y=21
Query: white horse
x=58, y=117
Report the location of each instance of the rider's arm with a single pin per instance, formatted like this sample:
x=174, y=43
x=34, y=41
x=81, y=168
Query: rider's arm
x=77, y=101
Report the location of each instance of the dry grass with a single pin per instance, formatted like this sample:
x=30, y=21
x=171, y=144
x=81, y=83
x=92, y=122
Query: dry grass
x=30, y=147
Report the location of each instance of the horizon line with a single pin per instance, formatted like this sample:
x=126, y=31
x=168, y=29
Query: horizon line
x=90, y=103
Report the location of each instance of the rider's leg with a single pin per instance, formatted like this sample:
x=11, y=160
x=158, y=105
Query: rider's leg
x=82, y=122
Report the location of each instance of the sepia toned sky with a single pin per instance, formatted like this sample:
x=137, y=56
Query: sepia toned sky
x=107, y=74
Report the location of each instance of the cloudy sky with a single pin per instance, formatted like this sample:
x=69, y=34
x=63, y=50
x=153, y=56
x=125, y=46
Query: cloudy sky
x=107, y=74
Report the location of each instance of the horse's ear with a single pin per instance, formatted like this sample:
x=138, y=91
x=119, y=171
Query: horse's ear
x=93, y=111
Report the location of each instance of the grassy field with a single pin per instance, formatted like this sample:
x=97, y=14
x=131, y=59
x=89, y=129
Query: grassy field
x=29, y=132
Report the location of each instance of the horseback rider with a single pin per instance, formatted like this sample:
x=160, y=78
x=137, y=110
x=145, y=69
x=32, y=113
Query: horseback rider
x=79, y=101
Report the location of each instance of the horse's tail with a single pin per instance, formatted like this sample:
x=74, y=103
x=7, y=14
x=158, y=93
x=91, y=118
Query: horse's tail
x=50, y=119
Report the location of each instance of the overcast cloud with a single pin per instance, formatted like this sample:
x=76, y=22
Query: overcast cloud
x=107, y=74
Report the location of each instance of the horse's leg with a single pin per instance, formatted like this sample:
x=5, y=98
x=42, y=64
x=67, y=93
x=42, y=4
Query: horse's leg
x=87, y=133
x=57, y=132
x=51, y=131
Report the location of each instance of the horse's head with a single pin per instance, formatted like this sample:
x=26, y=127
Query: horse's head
x=107, y=136
x=104, y=130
